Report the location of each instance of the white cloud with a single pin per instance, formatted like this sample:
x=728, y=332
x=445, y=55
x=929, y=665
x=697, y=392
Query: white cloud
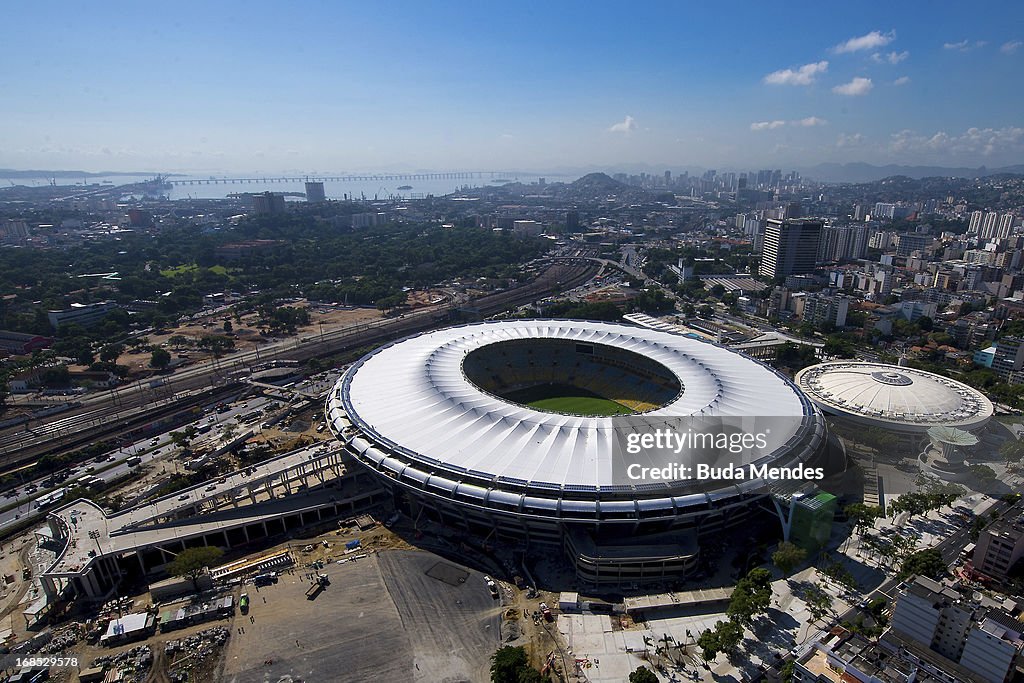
x=626, y=125
x=767, y=125
x=858, y=86
x=973, y=141
x=1010, y=47
x=902, y=80
x=891, y=57
x=871, y=41
x=965, y=45
x=851, y=140
x=804, y=75
x=810, y=121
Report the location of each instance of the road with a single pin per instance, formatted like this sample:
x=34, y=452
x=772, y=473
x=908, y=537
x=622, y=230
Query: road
x=950, y=547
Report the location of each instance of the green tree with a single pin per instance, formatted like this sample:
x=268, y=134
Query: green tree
x=709, y=645
x=913, y=503
x=56, y=376
x=788, y=557
x=862, y=516
x=192, y=561
x=927, y=562
x=160, y=359
x=818, y=601
x=841, y=575
x=751, y=597
x=111, y=352
x=531, y=675
x=509, y=664
x=724, y=638
x=228, y=327
x=1012, y=450
x=643, y=675
x=983, y=473
x=182, y=439
x=179, y=341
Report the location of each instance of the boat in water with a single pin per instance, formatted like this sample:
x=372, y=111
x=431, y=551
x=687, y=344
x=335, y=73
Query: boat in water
x=405, y=187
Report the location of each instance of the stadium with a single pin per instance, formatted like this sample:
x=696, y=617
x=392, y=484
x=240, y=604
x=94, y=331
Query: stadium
x=893, y=397
x=511, y=430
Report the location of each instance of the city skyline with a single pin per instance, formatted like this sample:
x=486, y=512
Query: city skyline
x=543, y=88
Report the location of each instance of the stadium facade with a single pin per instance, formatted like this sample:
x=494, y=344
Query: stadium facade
x=441, y=419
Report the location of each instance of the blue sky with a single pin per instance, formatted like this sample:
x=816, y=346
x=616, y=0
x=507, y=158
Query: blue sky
x=543, y=86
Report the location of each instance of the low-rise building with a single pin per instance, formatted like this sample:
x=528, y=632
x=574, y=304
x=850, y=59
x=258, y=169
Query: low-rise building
x=84, y=315
x=23, y=344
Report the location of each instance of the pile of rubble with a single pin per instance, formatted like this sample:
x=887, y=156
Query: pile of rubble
x=194, y=652
x=133, y=664
x=65, y=638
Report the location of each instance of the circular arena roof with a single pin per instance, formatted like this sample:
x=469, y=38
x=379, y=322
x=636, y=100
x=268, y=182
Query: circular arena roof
x=894, y=397
x=418, y=415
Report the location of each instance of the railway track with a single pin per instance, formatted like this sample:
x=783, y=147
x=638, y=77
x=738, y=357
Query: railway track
x=131, y=408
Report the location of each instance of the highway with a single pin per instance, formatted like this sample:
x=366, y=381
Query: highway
x=114, y=465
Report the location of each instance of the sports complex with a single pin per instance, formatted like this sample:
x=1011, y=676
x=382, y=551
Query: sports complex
x=894, y=397
x=512, y=430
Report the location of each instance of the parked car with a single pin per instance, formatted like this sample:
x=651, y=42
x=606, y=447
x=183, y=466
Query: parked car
x=266, y=579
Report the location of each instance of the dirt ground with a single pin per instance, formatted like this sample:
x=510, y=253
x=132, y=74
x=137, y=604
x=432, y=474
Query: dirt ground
x=381, y=618
x=247, y=334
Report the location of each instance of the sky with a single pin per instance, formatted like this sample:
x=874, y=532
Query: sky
x=318, y=87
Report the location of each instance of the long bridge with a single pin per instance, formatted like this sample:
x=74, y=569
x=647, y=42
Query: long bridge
x=453, y=175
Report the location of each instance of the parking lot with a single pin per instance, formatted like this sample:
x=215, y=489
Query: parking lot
x=381, y=618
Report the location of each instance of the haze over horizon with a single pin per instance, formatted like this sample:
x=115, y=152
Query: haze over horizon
x=553, y=87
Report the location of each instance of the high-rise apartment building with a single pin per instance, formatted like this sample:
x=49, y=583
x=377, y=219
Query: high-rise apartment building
x=984, y=642
x=268, y=202
x=315, y=192
x=975, y=225
x=1009, y=358
x=1005, y=228
x=843, y=242
x=789, y=247
x=908, y=243
x=989, y=225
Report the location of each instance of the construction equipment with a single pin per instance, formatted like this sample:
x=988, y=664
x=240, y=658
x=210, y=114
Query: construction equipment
x=318, y=586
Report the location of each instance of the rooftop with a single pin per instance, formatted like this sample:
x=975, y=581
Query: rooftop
x=895, y=395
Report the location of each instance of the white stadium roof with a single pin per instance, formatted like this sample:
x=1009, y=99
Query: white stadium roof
x=412, y=398
x=895, y=397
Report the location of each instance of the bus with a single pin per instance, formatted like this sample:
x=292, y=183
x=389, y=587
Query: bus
x=49, y=499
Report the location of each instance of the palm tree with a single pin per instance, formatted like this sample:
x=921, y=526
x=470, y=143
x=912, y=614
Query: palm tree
x=667, y=641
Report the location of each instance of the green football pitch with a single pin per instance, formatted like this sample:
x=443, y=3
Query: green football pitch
x=561, y=398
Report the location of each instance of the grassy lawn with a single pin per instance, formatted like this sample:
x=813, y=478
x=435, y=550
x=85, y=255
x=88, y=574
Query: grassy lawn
x=179, y=270
x=561, y=398
x=191, y=268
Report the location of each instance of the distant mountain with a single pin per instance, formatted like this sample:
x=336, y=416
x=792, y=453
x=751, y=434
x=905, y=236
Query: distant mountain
x=859, y=172
x=598, y=184
x=13, y=173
